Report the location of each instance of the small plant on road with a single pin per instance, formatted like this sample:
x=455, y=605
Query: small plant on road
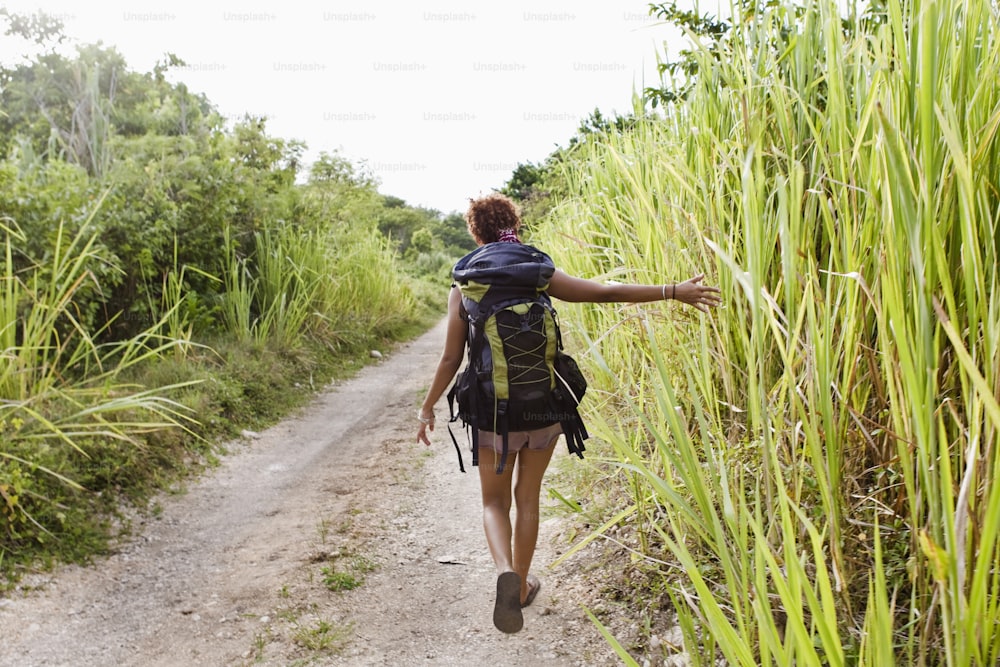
x=351, y=577
x=340, y=581
x=323, y=636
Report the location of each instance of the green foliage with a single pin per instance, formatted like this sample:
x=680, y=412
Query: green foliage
x=157, y=264
x=39, y=27
x=333, y=170
x=422, y=240
x=339, y=581
x=817, y=459
x=44, y=204
x=398, y=224
x=64, y=107
x=453, y=233
x=69, y=424
x=524, y=181
x=349, y=578
x=428, y=242
x=323, y=636
x=538, y=187
x=709, y=33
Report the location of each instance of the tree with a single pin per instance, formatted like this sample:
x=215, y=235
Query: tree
x=524, y=180
x=422, y=240
x=334, y=168
x=41, y=28
x=454, y=234
x=716, y=37
x=401, y=222
x=710, y=29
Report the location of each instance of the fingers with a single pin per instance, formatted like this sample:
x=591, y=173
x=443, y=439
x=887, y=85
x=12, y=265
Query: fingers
x=710, y=296
x=705, y=302
x=702, y=297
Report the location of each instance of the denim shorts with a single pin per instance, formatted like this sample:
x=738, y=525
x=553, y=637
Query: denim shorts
x=538, y=439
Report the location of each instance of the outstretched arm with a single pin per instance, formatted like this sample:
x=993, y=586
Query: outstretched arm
x=570, y=288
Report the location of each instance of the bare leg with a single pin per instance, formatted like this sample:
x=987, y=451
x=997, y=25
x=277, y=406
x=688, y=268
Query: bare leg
x=496, y=522
x=496, y=490
x=531, y=466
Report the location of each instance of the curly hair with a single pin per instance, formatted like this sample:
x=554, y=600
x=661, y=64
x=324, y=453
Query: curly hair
x=491, y=214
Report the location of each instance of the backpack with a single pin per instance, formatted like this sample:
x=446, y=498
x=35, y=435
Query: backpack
x=517, y=377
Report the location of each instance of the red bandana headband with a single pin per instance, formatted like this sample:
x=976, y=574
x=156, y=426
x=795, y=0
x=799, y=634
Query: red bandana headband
x=508, y=236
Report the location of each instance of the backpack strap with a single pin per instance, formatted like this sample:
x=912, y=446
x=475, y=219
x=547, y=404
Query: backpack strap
x=574, y=431
x=504, y=430
x=474, y=347
x=475, y=444
x=461, y=463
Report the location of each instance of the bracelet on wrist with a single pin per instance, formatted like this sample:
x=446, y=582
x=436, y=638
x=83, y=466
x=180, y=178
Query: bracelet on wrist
x=425, y=420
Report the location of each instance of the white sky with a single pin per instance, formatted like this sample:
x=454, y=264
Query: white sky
x=440, y=100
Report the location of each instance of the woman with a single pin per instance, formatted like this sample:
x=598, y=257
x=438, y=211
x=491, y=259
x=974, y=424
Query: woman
x=490, y=219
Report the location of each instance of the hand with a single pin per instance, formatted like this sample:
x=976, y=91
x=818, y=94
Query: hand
x=695, y=294
x=425, y=424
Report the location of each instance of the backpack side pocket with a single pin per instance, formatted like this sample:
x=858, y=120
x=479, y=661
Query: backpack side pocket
x=569, y=378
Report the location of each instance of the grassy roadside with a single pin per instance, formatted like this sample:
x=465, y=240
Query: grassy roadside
x=228, y=386
x=811, y=469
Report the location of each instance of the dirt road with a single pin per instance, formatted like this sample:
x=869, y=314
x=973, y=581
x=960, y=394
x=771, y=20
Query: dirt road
x=242, y=566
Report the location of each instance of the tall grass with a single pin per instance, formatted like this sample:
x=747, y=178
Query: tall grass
x=337, y=288
x=271, y=295
x=820, y=454
x=60, y=392
x=72, y=426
